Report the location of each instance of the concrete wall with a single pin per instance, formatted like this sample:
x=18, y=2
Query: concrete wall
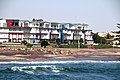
x=3, y=23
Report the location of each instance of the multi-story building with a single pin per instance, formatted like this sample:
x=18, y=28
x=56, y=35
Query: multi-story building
x=15, y=30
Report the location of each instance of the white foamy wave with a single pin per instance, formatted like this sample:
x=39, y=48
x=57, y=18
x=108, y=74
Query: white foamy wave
x=56, y=71
x=56, y=62
x=29, y=72
x=21, y=69
x=31, y=69
x=15, y=68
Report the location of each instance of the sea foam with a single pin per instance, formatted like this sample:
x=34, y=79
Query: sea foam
x=56, y=62
x=33, y=69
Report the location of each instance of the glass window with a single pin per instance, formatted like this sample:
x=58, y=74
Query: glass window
x=47, y=25
x=12, y=23
x=41, y=24
x=37, y=24
x=33, y=24
x=16, y=24
x=26, y=24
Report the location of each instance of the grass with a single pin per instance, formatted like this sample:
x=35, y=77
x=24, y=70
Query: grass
x=71, y=46
x=100, y=46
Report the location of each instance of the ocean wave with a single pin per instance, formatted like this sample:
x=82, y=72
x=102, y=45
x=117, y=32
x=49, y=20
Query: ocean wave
x=33, y=69
x=56, y=62
x=62, y=71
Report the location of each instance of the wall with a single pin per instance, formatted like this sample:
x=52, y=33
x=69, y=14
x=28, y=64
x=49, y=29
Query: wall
x=3, y=23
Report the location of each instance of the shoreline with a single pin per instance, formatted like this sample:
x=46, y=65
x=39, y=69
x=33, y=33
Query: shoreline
x=62, y=61
x=57, y=53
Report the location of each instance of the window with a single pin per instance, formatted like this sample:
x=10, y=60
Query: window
x=34, y=24
x=65, y=36
x=54, y=26
x=41, y=24
x=12, y=23
x=20, y=29
x=36, y=35
x=54, y=36
x=47, y=25
x=26, y=24
x=76, y=32
x=37, y=24
x=16, y=24
x=14, y=29
x=51, y=25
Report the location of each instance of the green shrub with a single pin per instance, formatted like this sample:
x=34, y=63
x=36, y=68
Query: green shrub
x=29, y=45
x=102, y=46
x=84, y=46
x=24, y=42
x=72, y=46
x=44, y=44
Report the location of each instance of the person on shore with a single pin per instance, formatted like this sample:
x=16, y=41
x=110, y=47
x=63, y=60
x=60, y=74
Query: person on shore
x=91, y=47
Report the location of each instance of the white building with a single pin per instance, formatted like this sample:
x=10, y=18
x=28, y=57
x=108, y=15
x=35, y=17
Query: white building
x=13, y=30
x=113, y=35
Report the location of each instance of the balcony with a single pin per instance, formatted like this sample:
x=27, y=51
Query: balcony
x=16, y=32
x=54, y=32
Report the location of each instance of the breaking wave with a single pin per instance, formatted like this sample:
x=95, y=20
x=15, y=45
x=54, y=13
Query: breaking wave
x=32, y=69
x=56, y=62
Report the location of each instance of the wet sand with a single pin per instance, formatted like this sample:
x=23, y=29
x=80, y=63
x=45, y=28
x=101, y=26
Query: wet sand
x=40, y=53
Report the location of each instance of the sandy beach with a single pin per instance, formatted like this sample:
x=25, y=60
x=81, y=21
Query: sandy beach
x=19, y=54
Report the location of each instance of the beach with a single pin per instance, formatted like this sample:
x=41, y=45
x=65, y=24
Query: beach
x=39, y=53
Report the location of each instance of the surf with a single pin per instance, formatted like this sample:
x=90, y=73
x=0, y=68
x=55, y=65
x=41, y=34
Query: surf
x=57, y=62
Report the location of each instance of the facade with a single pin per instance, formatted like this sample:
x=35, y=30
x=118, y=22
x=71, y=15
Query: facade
x=114, y=35
x=15, y=30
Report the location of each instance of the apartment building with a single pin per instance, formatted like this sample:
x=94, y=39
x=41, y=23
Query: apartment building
x=15, y=30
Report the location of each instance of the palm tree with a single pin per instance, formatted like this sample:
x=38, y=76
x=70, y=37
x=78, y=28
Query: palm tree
x=118, y=25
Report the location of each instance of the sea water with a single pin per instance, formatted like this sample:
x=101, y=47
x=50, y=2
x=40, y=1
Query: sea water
x=61, y=69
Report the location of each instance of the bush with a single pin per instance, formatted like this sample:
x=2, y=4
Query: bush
x=0, y=42
x=44, y=44
x=102, y=46
x=72, y=46
x=29, y=45
x=24, y=42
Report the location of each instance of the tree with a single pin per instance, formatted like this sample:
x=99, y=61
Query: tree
x=108, y=36
x=103, y=40
x=81, y=41
x=98, y=39
x=44, y=44
x=24, y=42
x=58, y=41
x=29, y=45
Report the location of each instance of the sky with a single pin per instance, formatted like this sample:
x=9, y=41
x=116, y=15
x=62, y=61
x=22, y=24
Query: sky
x=100, y=15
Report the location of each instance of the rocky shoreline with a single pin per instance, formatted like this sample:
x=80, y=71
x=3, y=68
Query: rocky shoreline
x=38, y=53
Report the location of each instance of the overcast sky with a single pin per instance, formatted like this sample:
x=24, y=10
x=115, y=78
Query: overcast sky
x=100, y=15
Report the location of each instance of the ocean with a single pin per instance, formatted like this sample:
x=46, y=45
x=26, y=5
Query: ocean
x=61, y=69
